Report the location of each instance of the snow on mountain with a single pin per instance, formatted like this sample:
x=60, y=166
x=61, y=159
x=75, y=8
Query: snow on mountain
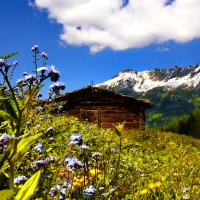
x=141, y=82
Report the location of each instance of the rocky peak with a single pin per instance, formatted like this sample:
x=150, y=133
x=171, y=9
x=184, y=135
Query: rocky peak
x=168, y=79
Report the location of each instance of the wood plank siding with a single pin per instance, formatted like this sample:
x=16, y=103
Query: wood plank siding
x=105, y=107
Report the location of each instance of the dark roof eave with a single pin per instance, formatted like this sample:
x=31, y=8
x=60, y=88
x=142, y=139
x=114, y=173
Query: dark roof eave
x=64, y=97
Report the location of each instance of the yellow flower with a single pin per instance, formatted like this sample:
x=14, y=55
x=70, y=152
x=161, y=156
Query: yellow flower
x=157, y=185
x=144, y=191
x=80, y=181
x=151, y=186
x=61, y=174
x=94, y=172
x=175, y=174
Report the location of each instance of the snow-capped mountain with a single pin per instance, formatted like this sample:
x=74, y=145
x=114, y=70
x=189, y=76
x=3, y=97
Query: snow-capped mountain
x=142, y=82
x=175, y=91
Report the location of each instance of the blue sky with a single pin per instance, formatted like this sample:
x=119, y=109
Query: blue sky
x=94, y=40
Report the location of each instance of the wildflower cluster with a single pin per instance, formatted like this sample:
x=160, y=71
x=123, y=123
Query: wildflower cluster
x=76, y=139
x=39, y=147
x=28, y=79
x=4, y=65
x=60, y=189
x=4, y=140
x=35, y=48
x=73, y=163
x=89, y=191
x=56, y=87
x=45, y=162
x=40, y=75
x=20, y=180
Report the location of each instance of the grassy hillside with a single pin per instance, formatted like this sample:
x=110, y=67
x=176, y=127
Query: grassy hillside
x=170, y=105
x=125, y=165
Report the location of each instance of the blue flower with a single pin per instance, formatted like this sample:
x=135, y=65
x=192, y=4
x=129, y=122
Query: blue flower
x=25, y=73
x=38, y=108
x=42, y=117
x=51, y=159
x=39, y=147
x=35, y=48
x=50, y=129
x=53, y=73
x=44, y=54
x=73, y=163
x=142, y=175
x=83, y=147
x=76, y=139
x=112, y=189
x=130, y=164
x=89, y=191
x=62, y=86
x=60, y=109
x=42, y=69
x=21, y=81
x=56, y=87
x=138, y=169
x=39, y=95
x=120, y=175
x=20, y=180
x=3, y=62
x=5, y=65
x=4, y=140
x=37, y=126
x=4, y=137
x=15, y=63
x=53, y=190
x=185, y=189
x=31, y=79
x=96, y=155
x=70, y=186
x=39, y=163
x=28, y=123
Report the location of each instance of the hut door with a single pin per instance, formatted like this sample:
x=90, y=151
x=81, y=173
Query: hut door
x=90, y=116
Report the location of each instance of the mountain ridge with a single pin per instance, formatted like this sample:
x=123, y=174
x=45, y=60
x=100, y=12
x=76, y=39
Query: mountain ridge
x=175, y=91
x=144, y=81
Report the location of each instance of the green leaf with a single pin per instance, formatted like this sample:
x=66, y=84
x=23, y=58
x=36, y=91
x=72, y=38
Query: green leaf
x=6, y=194
x=128, y=146
x=8, y=55
x=23, y=146
x=4, y=167
x=117, y=131
x=8, y=105
x=5, y=115
x=28, y=189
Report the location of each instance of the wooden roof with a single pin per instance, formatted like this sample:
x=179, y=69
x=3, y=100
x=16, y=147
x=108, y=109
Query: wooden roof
x=99, y=90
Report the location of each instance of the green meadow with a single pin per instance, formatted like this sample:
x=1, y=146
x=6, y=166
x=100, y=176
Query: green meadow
x=46, y=154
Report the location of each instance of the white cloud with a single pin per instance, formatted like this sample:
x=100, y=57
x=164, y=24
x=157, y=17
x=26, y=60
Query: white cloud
x=123, y=24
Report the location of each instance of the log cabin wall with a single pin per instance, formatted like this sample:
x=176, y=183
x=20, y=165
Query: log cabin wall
x=105, y=108
x=106, y=116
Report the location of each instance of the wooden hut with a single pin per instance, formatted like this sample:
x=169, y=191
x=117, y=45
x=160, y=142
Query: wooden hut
x=105, y=107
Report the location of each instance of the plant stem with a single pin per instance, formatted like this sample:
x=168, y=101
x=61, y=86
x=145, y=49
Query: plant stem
x=11, y=89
